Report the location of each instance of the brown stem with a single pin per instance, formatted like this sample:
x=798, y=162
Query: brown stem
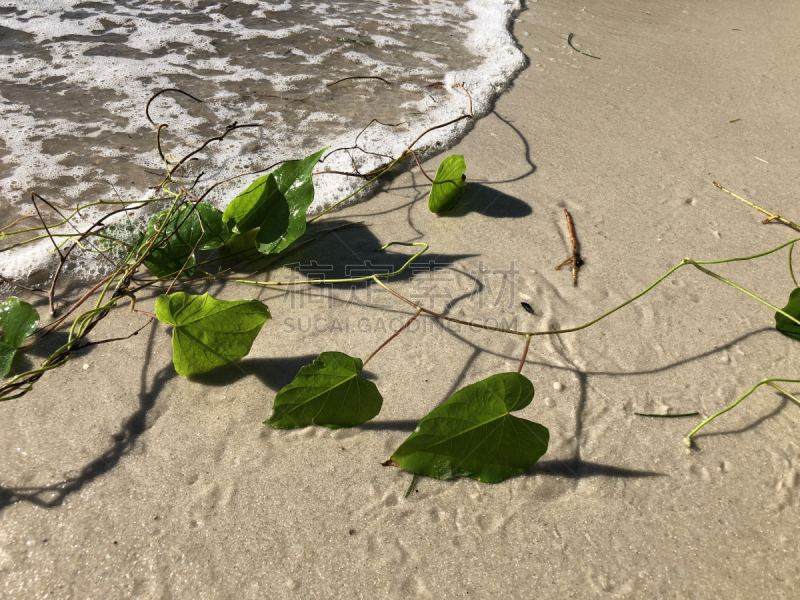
x=51, y=291
x=119, y=339
x=53, y=326
x=427, y=131
x=524, y=353
x=19, y=285
x=156, y=95
x=438, y=316
x=458, y=85
x=575, y=259
x=414, y=154
x=770, y=217
x=357, y=77
x=394, y=335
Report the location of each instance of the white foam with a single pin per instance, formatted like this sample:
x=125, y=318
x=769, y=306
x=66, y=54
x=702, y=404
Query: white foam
x=487, y=36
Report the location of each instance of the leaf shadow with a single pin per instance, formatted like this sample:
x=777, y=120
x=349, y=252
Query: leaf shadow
x=489, y=202
x=275, y=373
x=405, y=425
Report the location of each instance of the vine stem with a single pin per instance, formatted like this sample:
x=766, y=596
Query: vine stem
x=394, y=335
x=346, y=198
x=403, y=154
x=683, y=263
x=352, y=279
x=770, y=217
x=769, y=382
x=412, y=486
x=524, y=353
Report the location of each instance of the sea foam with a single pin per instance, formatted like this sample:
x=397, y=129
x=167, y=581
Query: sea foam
x=76, y=76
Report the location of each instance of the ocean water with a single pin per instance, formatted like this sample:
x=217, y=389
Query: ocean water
x=76, y=76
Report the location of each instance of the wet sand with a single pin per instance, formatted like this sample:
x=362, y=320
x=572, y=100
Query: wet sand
x=121, y=479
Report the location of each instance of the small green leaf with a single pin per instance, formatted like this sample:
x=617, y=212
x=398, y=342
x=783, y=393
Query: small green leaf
x=448, y=185
x=209, y=333
x=261, y=203
x=473, y=435
x=787, y=326
x=200, y=226
x=18, y=320
x=277, y=203
x=327, y=392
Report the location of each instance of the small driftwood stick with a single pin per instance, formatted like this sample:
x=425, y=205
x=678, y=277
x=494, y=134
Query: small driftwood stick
x=575, y=259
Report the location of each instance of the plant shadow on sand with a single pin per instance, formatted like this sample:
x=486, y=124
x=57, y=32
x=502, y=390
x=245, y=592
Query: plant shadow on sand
x=489, y=202
x=124, y=439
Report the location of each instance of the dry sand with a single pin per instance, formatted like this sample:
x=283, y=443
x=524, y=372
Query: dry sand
x=121, y=481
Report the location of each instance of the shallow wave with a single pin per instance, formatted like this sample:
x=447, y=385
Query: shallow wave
x=76, y=76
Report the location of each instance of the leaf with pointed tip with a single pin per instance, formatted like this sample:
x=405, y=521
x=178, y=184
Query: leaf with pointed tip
x=262, y=204
x=327, y=392
x=449, y=183
x=189, y=228
x=209, y=333
x=785, y=325
x=474, y=435
x=277, y=204
x=18, y=320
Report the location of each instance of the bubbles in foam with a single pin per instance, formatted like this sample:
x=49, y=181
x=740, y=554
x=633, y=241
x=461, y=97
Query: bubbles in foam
x=75, y=77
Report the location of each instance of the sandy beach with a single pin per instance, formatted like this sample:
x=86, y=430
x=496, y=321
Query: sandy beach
x=120, y=479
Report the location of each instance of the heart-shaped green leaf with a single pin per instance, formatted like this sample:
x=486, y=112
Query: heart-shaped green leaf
x=474, y=435
x=209, y=333
x=448, y=185
x=327, y=392
x=189, y=227
x=787, y=326
x=18, y=320
x=277, y=203
x=262, y=204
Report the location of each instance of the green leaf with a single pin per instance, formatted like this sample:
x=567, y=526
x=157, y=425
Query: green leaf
x=473, y=435
x=276, y=203
x=787, y=326
x=260, y=203
x=448, y=185
x=200, y=226
x=18, y=320
x=209, y=333
x=327, y=392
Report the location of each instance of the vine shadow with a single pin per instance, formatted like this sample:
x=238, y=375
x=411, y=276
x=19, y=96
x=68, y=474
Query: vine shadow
x=51, y=496
x=575, y=468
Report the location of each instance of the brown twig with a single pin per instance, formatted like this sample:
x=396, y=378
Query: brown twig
x=414, y=154
x=458, y=85
x=200, y=239
x=20, y=286
x=575, y=259
x=119, y=339
x=443, y=317
x=395, y=334
x=51, y=291
x=524, y=353
x=53, y=326
x=357, y=77
x=28, y=215
x=770, y=217
x=435, y=127
x=156, y=95
x=272, y=166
